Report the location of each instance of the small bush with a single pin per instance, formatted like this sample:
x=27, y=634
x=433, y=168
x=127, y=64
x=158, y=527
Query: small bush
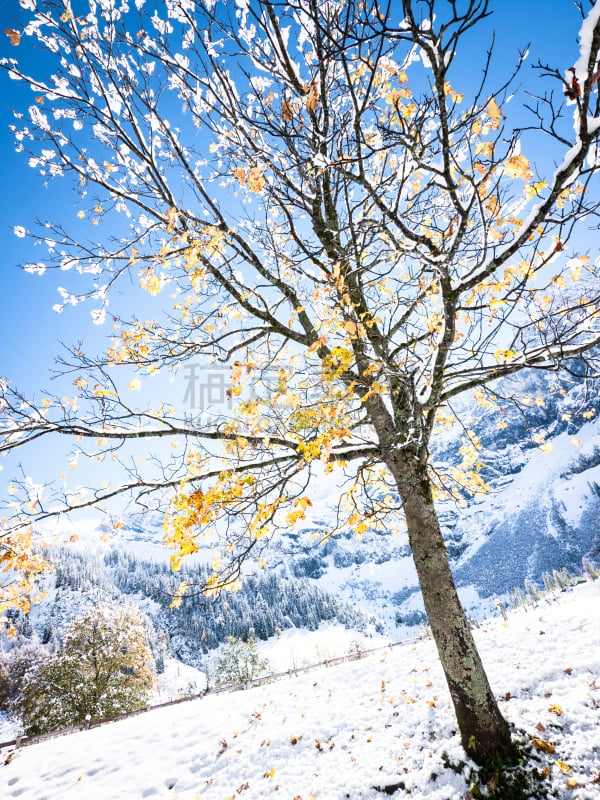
x=240, y=662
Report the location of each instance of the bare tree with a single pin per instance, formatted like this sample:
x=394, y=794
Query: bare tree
x=334, y=219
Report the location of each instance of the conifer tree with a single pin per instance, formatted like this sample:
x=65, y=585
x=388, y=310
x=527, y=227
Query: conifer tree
x=590, y=570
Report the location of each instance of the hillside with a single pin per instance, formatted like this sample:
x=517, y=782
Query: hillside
x=539, y=515
x=348, y=731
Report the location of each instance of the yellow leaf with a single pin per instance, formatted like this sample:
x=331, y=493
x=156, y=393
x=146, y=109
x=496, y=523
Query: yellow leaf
x=555, y=709
x=481, y=398
x=505, y=355
x=256, y=182
x=493, y=110
x=563, y=767
x=535, y=189
x=152, y=284
x=81, y=214
x=576, y=442
x=485, y=148
x=100, y=391
x=540, y=744
x=80, y=382
x=135, y=385
x=571, y=784
x=518, y=167
x=456, y=97
x=240, y=176
x=547, y=448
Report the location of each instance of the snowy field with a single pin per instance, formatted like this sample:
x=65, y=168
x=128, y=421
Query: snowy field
x=345, y=731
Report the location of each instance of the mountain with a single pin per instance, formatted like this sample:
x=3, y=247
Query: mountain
x=541, y=460
x=540, y=448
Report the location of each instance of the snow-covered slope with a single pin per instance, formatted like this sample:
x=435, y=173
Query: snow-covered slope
x=348, y=731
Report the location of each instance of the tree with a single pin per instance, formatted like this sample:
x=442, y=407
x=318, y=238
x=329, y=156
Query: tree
x=103, y=669
x=341, y=226
x=15, y=665
x=240, y=662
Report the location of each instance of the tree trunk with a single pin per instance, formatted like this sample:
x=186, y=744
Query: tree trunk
x=484, y=731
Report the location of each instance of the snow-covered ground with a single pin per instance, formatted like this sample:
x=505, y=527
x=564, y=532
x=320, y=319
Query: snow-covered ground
x=341, y=732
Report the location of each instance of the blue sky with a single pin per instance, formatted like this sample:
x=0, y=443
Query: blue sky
x=31, y=331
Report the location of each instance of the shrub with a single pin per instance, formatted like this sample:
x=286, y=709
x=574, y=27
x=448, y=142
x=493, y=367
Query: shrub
x=240, y=662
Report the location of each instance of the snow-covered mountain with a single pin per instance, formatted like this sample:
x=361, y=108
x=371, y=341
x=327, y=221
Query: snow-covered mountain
x=542, y=463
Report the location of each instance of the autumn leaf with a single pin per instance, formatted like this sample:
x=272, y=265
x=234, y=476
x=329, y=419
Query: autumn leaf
x=256, y=182
x=456, y=97
x=101, y=391
x=540, y=744
x=485, y=149
x=518, y=167
x=496, y=116
x=135, y=385
x=535, y=189
x=240, y=176
x=505, y=355
x=312, y=100
x=287, y=111
x=14, y=36
x=153, y=284
x=571, y=784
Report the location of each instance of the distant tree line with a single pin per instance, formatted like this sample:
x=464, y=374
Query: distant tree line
x=267, y=602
